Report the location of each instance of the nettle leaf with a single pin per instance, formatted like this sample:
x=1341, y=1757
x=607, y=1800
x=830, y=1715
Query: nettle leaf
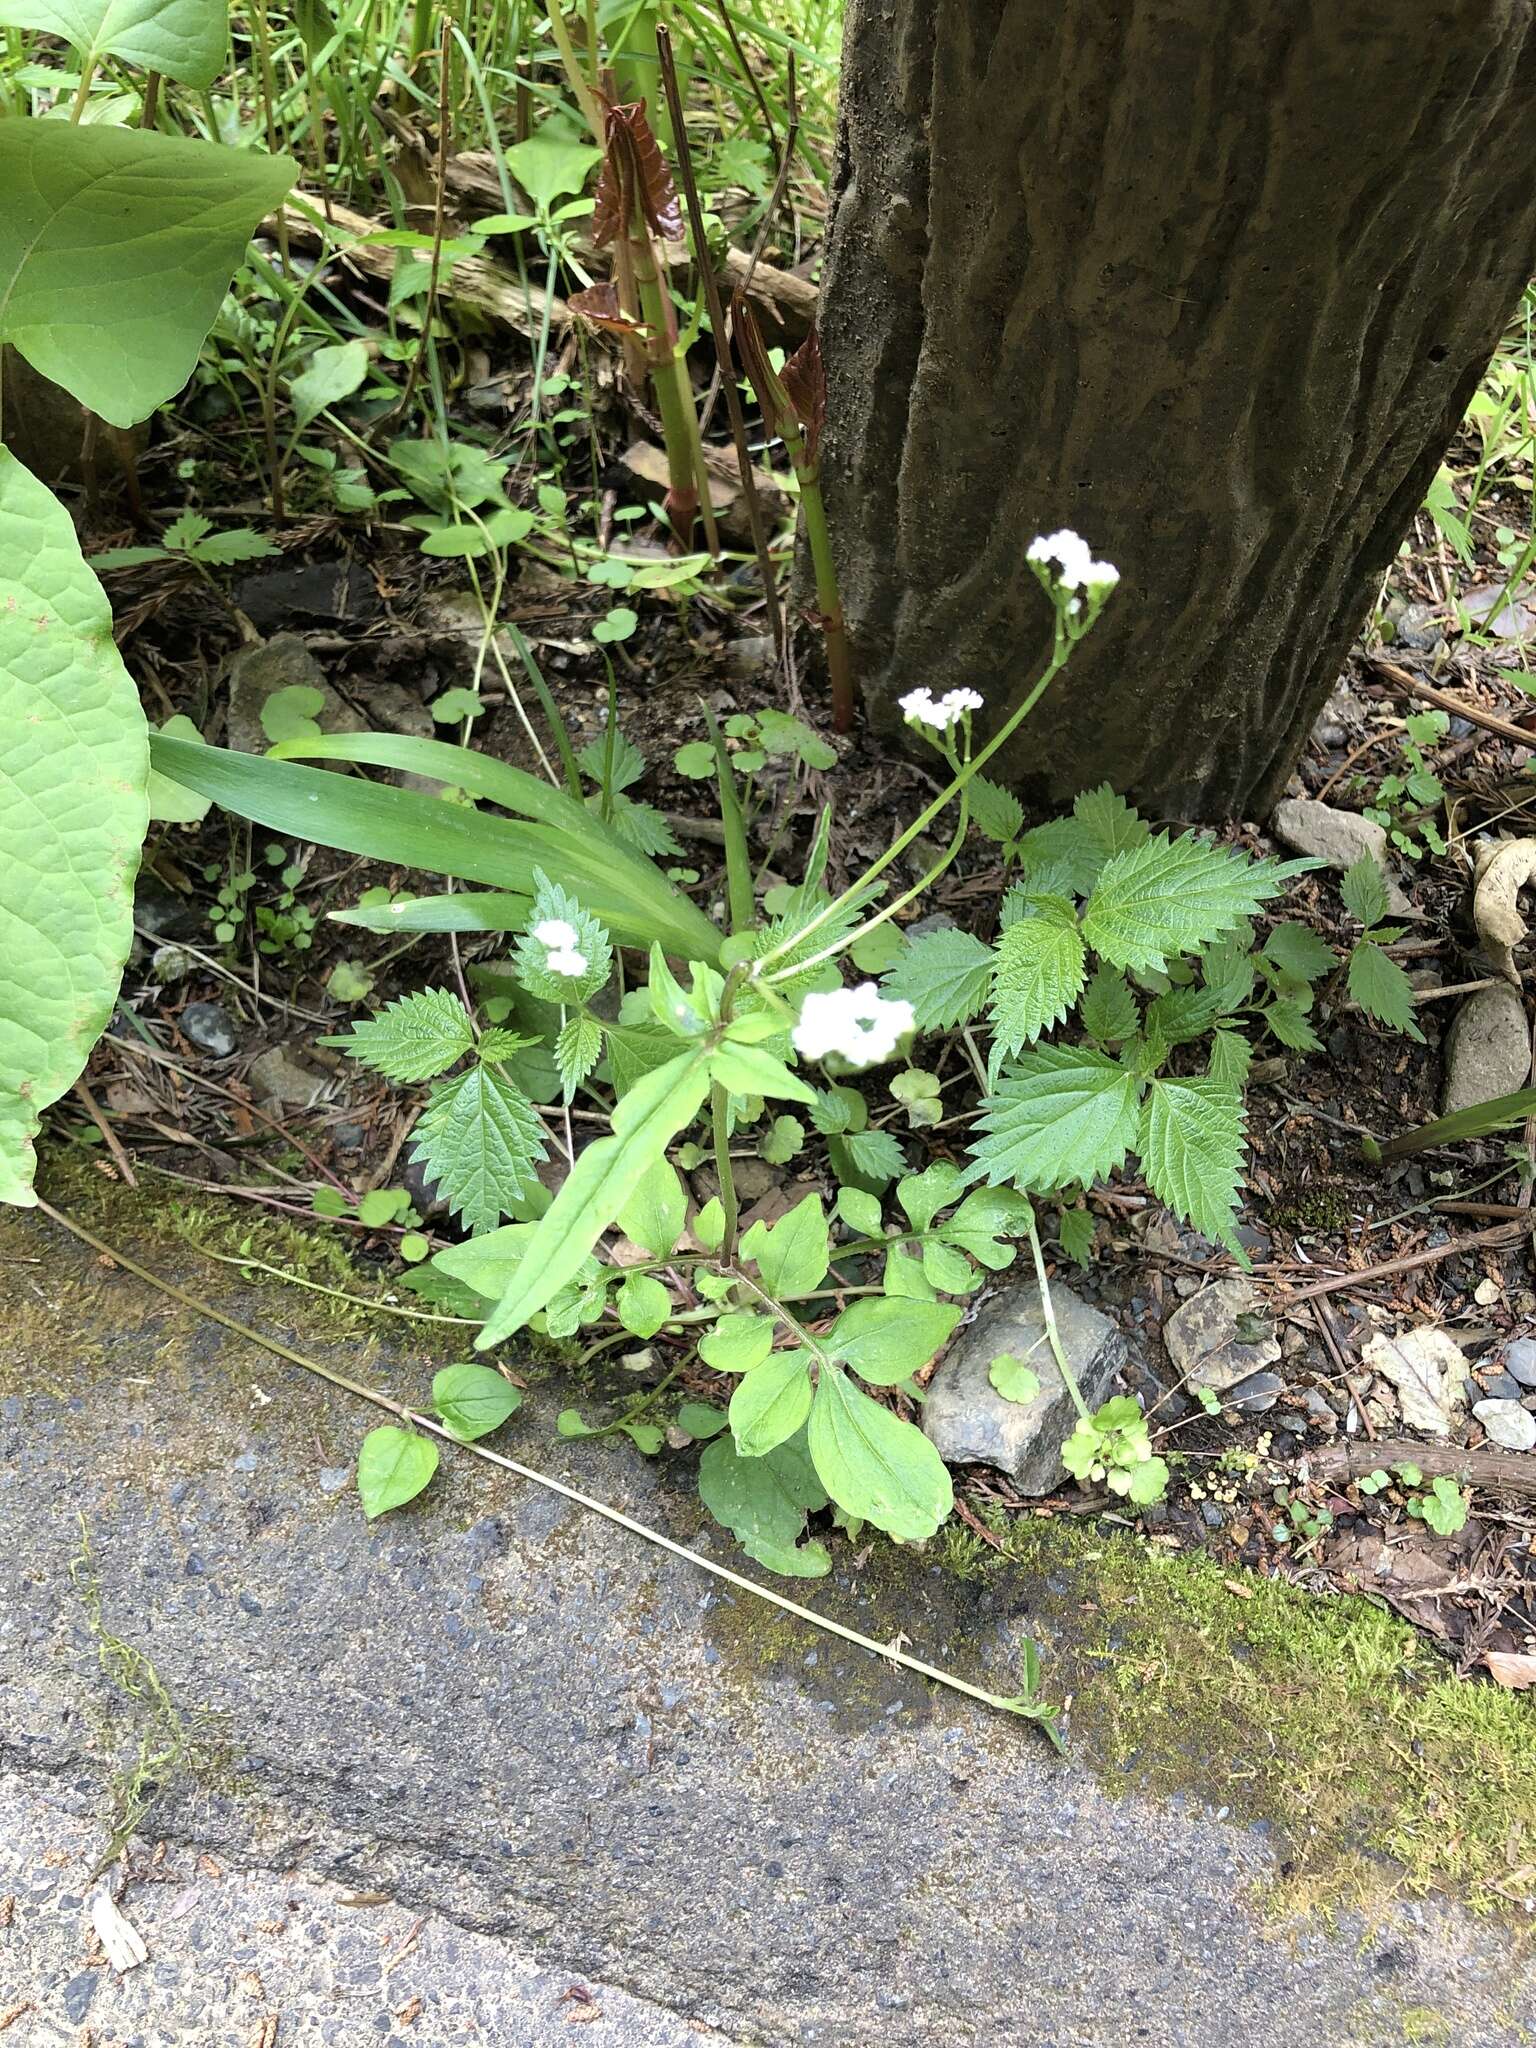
x=551, y=903
x=1061, y=1114
x=74, y=807
x=414, y=1039
x=1171, y=896
x=654, y=1215
x=771, y=1402
x=995, y=812
x=1191, y=1146
x=764, y=1502
x=1061, y=858
x=578, y=1049
x=1288, y=1021
x=393, y=1466
x=946, y=977
x=1075, y=1229
x=148, y=226
x=1107, y=1008
x=187, y=40
x=1231, y=1057
x=1297, y=951
x=481, y=1140
x=885, y=1341
x=793, y=1254
x=1382, y=989
x=1039, y=973
x=1364, y=889
x=873, y=1464
x=870, y=1159
x=1180, y=1014
x=1110, y=823
x=473, y=1400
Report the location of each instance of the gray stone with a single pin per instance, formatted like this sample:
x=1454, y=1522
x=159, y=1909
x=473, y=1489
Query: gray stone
x=210, y=1028
x=1497, y=1386
x=1255, y=1395
x=968, y=1421
x=1488, y=1051
x=276, y=1077
x=1510, y=1426
x=1337, y=837
x=259, y=671
x=1520, y=1361
x=1205, y=1343
x=1418, y=626
x=161, y=914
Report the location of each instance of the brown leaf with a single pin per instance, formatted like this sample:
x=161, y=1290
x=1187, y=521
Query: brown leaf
x=1511, y=1669
x=804, y=379
x=599, y=305
x=748, y=336
x=634, y=178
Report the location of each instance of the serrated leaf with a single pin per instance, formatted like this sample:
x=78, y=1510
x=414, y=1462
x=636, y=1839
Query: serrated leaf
x=1038, y=976
x=187, y=40
x=885, y=1341
x=1191, y=1146
x=480, y=1139
x=1382, y=989
x=946, y=976
x=867, y=1158
x=1075, y=1229
x=645, y=1121
x=473, y=1400
x=764, y=1502
x=1107, y=1008
x=1180, y=1014
x=1230, y=1058
x=1298, y=952
x=578, y=1049
x=393, y=1466
x=149, y=227
x=653, y=1215
x=771, y=1402
x=1110, y=823
x=1364, y=889
x=414, y=1039
x=1061, y=857
x=552, y=903
x=873, y=1464
x=74, y=805
x=1061, y=1114
x=792, y=1255
x=641, y=826
x=1289, y=1023
x=1172, y=896
x=234, y=544
x=784, y=1137
x=995, y=812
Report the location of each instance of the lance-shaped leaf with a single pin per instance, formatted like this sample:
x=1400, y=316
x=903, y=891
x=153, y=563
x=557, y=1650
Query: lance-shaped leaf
x=74, y=805
x=116, y=248
x=186, y=39
x=634, y=179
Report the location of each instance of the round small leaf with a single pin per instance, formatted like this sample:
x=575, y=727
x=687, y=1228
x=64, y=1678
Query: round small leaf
x=473, y=1400
x=392, y=1468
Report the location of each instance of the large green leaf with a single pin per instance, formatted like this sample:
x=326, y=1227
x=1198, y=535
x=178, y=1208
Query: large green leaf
x=873, y=1464
x=116, y=248
x=604, y=1177
x=764, y=1501
x=771, y=1402
x=1040, y=962
x=1191, y=1146
x=402, y=827
x=74, y=805
x=1062, y=1114
x=1170, y=896
x=186, y=39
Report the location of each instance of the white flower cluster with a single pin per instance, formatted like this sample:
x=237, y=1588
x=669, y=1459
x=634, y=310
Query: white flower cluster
x=560, y=938
x=857, y=1022
x=920, y=705
x=1075, y=567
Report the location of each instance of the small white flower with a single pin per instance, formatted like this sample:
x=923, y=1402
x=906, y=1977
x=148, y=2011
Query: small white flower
x=857, y=1022
x=1075, y=567
x=565, y=960
x=921, y=706
x=554, y=931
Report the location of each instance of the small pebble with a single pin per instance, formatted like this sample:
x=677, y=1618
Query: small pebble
x=210, y=1028
x=1499, y=1386
x=1510, y=1426
x=1520, y=1361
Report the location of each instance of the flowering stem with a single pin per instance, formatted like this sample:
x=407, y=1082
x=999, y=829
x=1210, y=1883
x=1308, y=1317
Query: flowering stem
x=719, y=1105
x=1063, y=648
x=1048, y=1315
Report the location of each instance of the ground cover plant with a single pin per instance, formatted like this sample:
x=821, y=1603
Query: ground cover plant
x=738, y=1058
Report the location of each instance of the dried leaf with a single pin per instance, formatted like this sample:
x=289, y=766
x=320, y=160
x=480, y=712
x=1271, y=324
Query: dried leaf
x=804, y=379
x=634, y=177
x=599, y=305
x=1511, y=1669
x=1502, y=872
x=772, y=398
x=117, y=1934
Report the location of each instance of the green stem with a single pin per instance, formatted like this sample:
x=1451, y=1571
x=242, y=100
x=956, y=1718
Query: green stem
x=824, y=570
x=1048, y=1313
x=87, y=78
x=738, y=855
x=719, y=1118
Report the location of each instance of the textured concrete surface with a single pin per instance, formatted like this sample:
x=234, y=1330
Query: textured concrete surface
x=574, y=1755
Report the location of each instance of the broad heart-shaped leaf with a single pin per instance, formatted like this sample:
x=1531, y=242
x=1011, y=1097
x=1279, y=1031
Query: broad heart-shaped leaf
x=74, y=805
x=1039, y=974
x=793, y=1254
x=116, y=248
x=473, y=1400
x=771, y=1402
x=645, y=1122
x=887, y=1341
x=392, y=1467
x=764, y=1501
x=1061, y=1114
x=1191, y=1146
x=480, y=1139
x=873, y=1464
x=1170, y=896
x=186, y=39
